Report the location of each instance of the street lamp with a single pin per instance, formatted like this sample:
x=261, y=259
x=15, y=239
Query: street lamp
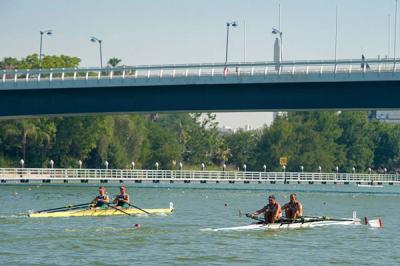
x=22, y=162
x=106, y=164
x=180, y=166
x=223, y=167
x=244, y=167
x=319, y=169
x=157, y=164
x=302, y=169
x=279, y=33
x=51, y=164
x=369, y=170
x=80, y=164
x=44, y=32
x=228, y=25
x=265, y=168
x=354, y=169
x=202, y=166
x=133, y=165
x=337, y=169
x=385, y=170
x=94, y=39
x=284, y=168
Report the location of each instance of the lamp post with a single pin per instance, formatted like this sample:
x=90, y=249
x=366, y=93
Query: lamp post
x=223, y=167
x=280, y=34
x=180, y=166
x=244, y=167
x=302, y=169
x=369, y=170
x=265, y=168
x=337, y=169
x=157, y=165
x=80, y=164
x=133, y=165
x=94, y=39
x=51, y=164
x=319, y=169
x=284, y=168
x=22, y=162
x=106, y=164
x=44, y=32
x=228, y=25
x=354, y=169
x=202, y=166
x=385, y=170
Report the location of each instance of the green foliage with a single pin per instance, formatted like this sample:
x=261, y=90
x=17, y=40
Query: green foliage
x=113, y=62
x=32, y=61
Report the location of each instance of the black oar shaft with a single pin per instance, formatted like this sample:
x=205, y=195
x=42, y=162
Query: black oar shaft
x=136, y=207
x=109, y=205
x=65, y=207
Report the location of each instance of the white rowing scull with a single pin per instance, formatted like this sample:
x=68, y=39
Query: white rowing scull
x=310, y=222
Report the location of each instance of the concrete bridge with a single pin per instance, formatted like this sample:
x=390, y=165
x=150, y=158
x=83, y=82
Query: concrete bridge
x=298, y=85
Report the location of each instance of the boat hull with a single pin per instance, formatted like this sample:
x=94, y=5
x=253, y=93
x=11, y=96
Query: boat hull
x=100, y=212
x=279, y=226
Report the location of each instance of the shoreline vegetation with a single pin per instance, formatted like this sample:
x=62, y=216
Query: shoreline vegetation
x=310, y=139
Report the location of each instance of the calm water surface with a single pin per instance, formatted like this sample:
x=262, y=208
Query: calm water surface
x=177, y=239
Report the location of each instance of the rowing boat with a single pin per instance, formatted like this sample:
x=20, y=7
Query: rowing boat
x=100, y=212
x=369, y=185
x=304, y=223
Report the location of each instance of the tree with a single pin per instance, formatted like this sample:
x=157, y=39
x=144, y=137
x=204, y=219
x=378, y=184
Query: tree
x=357, y=138
x=241, y=145
x=114, y=61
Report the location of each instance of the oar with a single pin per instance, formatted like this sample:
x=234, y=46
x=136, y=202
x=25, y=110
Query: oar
x=324, y=218
x=72, y=208
x=136, y=207
x=248, y=215
x=109, y=205
x=66, y=207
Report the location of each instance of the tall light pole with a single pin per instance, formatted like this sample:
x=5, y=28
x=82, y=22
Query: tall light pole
x=280, y=34
x=388, y=53
x=94, y=39
x=44, y=32
x=336, y=33
x=395, y=35
x=228, y=25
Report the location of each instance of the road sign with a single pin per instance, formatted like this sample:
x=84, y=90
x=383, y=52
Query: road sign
x=283, y=161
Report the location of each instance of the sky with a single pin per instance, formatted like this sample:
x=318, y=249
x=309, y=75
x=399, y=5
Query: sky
x=187, y=31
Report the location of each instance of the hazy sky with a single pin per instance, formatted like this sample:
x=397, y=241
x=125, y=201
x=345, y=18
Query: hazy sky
x=187, y=31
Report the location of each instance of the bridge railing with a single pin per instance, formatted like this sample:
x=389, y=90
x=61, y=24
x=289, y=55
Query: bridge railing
x=202, y=70
x=123, y=174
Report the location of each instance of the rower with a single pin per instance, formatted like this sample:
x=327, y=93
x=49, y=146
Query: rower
x=122, y=199
x=101, y=200
x=293, y=209
x=272, y=211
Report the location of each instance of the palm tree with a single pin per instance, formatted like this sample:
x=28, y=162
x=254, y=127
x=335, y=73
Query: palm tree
x=114, y=61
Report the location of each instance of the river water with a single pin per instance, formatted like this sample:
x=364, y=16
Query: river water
x=177, y=239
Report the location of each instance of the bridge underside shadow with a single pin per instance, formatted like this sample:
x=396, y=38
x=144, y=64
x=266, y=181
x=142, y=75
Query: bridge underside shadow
x=190, y=98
